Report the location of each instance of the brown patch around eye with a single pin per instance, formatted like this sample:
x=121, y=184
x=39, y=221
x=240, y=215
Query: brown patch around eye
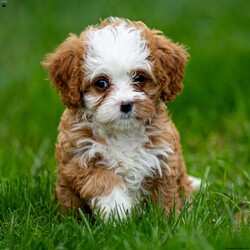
x=140, y=79
x=100, y=87
x=145, y=82
x=102, y=98
x=148, y=85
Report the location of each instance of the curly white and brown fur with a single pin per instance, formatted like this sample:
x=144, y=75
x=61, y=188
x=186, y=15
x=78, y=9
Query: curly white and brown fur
x=116, y=142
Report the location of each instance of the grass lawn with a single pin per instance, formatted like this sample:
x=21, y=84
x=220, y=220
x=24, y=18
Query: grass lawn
x=212, y=115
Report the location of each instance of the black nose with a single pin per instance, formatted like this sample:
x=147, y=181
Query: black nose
x=126, y=106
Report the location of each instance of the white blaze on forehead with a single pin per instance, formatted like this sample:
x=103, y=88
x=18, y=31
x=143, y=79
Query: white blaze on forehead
x=116, y=51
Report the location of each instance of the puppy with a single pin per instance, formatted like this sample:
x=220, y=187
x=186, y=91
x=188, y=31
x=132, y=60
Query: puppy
x=116, y=143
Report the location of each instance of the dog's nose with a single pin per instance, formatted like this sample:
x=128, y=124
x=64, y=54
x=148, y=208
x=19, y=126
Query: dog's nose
x=126, y=106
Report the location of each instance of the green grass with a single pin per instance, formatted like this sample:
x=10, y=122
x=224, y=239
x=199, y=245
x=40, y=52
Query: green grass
x=212, y=115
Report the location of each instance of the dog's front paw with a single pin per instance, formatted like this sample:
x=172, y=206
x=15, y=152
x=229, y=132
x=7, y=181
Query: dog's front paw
x=117, y=204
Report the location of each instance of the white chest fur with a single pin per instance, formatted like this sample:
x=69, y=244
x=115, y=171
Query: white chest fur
x=126, y=155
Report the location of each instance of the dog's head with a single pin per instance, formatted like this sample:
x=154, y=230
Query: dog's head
x=118, y=71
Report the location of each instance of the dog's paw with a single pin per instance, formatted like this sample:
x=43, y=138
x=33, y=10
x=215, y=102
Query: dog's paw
x=117, y=204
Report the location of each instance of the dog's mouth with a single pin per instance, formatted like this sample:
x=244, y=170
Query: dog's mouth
x=127, y=116
x=121, y=119
x=124, y=123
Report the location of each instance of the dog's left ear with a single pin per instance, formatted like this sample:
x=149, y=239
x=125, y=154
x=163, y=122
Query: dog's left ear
x=171, y=68
x=66, y=71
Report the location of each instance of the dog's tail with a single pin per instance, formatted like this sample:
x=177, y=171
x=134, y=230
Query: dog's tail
x=195, y=183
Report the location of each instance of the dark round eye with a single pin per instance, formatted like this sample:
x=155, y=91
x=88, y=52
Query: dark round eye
x=102, y=84
x=139, y=78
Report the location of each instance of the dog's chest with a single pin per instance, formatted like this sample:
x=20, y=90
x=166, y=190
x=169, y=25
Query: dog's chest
x=123, y=153
x=127, y=156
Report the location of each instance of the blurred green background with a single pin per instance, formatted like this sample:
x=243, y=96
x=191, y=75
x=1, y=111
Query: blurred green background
x=212, y=113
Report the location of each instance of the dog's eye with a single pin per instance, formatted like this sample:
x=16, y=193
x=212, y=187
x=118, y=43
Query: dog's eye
x=102, y=84
x=139, y=78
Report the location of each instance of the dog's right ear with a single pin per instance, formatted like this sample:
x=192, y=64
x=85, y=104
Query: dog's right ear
x=65, y=67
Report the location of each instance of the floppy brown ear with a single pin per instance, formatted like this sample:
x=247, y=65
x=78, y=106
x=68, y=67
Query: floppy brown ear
x=172, y=58
x=65, y=67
